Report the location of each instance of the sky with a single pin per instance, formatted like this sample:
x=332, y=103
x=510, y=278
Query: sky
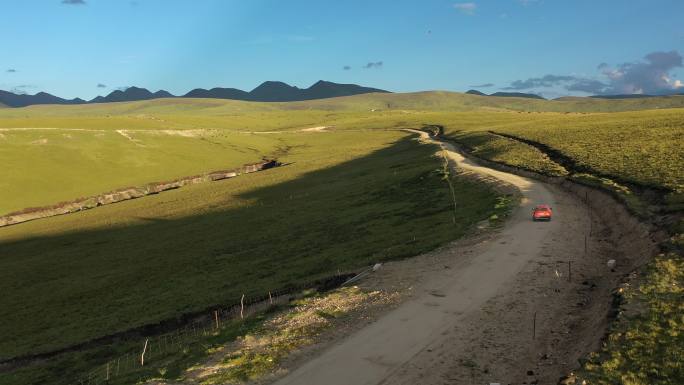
x=85, y=48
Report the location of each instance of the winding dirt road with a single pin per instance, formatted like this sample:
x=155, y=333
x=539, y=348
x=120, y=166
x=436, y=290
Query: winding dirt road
x=397, y=348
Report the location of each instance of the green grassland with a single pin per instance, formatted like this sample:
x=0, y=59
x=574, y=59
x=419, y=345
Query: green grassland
x=350, y=197
x=631, y=146
x=639, y=147
x=65, y=164
x=343, y=203
x=646, y=344
x=507, y=151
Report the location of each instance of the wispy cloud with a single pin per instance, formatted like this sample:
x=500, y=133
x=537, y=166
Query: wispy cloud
x=650, y=76
x=11, y=70
x=346, y=68
x=74, y=2
x=466, y=8
x=545, y=81
x=377, y=64
x=100, y=85
x=568, y=82
x=485, y=85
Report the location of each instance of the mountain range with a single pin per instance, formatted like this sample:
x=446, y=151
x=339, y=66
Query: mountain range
x=506, y=94
x=535, y=96
x=269, y=91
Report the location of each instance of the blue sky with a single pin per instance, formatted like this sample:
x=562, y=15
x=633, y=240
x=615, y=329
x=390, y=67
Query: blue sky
x=176, y=45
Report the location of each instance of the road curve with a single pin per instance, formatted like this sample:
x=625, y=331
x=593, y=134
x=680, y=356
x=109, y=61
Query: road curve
x=371, y=355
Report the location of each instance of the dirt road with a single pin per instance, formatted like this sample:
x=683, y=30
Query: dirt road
x=407, y=345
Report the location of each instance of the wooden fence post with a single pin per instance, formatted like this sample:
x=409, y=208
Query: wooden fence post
x=270, y=298
x=216, y=318
x=242, y=307
x=142, y=356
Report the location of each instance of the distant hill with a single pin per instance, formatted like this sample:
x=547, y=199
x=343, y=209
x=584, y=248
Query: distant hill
x=505, y=94
x=475, y=92
x=131, y=94
x=22, y=100
x=269, y=91
x=274, y=91
x=629, y=96
x=218, y=93
x=516, y=95
x=322, y=90
x=419, y=101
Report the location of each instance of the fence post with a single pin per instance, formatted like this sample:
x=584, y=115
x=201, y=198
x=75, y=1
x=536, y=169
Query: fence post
x=270, y=298
x=242, y=307
x=216, y=318
x=142, y=356
x=107, y=376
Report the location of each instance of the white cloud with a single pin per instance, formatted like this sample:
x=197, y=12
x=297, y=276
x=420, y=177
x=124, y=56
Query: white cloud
x=466, y=8
x=649, y=76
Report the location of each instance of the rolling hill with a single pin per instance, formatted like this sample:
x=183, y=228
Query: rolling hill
x=21, y=100
x=131, y=94
x=505, y=94
x=218, y=93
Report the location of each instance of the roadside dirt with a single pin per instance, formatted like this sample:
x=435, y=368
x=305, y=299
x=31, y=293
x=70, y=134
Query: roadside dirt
x=517, y=306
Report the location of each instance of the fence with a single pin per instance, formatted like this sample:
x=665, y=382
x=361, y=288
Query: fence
x=155, y=348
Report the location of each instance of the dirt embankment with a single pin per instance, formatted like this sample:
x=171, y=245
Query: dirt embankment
x=127, y=193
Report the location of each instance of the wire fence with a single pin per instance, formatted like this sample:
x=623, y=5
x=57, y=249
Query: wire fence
x=155, y=349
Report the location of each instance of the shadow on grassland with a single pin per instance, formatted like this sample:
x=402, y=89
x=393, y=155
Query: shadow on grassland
x=63, y=290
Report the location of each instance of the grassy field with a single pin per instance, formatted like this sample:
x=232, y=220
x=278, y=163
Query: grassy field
x=67, y=163
x=634, y=146
x=350, y=197
x=646, y=344
x=342, y=204
x=641, y=147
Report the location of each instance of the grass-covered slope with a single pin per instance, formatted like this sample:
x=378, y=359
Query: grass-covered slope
x=43, y=167
x=646, y=344
x=640, y=147
x=350, y=197
x=633, y=146
x=344, y=202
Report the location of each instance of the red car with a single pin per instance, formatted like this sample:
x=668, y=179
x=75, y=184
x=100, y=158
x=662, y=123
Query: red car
x=542, y=213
